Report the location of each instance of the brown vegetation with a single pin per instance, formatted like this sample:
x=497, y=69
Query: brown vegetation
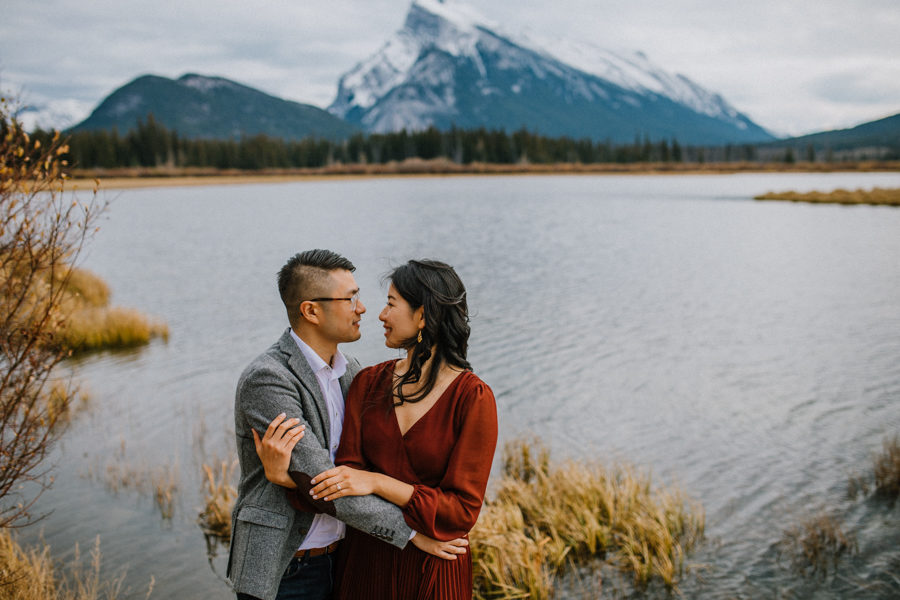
x=544, y=519
x=29, y=574
x=41, y=234
x=215, y=518
x=875, y=196
x=163, y=176
x=884, y=478
x=887, y=469
x=91, y=324
x=816, y=544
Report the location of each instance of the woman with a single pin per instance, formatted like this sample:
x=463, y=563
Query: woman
x=420, y=432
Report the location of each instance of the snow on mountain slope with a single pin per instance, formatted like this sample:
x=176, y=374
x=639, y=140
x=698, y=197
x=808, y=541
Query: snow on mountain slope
x=447, y=56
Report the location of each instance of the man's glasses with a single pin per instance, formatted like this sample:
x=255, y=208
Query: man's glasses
x=353, y=300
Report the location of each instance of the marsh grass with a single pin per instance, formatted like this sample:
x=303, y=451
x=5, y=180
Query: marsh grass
x=83, y=320
x=91, y=324
x=884, y=478
x=29, y=574
x=544, y=519
x=215, y=518
x=165, y=485
x=887, y=469
x=816, y=545
x=878, y=196
x=161, y=483
x=64, y=399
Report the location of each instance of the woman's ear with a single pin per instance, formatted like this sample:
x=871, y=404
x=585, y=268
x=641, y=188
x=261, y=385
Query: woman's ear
x=419, y=317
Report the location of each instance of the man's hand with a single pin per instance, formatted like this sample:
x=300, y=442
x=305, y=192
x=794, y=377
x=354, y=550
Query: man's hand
x=274, y=449
x=342, y=481
x=446, y=550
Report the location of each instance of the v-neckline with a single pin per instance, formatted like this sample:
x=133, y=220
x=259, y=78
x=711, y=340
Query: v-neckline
x=402, y=433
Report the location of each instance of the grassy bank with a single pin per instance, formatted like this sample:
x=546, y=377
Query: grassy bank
x=90, y=323
x=546, y=519
x=162, y=176
x=30, y=574
x=875, y=196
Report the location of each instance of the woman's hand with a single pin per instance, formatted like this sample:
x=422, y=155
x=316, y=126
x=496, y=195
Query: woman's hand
x=446, y=550
x=342, y=481
x=274, y=449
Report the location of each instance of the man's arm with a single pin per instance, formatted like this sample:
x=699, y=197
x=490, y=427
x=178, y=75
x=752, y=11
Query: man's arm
x=264, y=394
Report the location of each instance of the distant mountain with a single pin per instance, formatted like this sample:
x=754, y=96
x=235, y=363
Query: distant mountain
x=446, y=67
x=197, y=106
x=883, y=133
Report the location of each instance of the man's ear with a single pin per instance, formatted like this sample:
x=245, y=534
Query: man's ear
x=309, y=311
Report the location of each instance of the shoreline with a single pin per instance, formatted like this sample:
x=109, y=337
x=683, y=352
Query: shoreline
x=181, y=177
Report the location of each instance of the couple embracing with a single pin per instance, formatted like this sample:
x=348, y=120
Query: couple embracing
x=412, y=438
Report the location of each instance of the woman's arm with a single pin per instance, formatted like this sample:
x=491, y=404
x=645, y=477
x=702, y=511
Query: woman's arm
x=443, y=512
x=451, y=509
x=347, y=481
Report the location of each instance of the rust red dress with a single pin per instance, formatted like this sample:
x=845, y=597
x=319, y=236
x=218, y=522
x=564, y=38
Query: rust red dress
x=446, y=455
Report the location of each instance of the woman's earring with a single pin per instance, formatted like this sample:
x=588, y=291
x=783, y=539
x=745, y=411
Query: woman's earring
x=419, y=339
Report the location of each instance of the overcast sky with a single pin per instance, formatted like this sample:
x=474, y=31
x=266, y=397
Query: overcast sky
x=793, y=66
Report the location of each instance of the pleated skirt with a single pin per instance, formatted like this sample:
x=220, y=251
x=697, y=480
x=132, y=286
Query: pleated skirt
x=369, y=569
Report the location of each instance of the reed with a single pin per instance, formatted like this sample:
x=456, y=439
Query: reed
x=215, y=518
x=877, y=196
x=544, y=518
x=884, y=478
x=29, y=574
x=165, y=484
x=816, y=544
x=82, y=319
x=94, y=328
x=887, y=469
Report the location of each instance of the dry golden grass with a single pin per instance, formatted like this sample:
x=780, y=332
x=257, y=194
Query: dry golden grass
x=83, y=320
x=416, y=167
x=29, y=574
x=215, y=518
x=887, y=469
x=89, y=323
x=884, y=478
x=543, y=518
x=876, y=196
x=165, y=484
x=815, y=545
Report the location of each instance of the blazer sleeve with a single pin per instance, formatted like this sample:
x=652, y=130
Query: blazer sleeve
x=451, y=509
x=265, y=393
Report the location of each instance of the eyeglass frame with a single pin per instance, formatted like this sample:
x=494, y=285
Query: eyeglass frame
x=353, y=300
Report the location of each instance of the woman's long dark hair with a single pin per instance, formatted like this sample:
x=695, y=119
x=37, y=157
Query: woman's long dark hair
x=435, y=286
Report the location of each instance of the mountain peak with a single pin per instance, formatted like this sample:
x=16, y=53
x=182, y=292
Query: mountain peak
x=202, y=106
x=449, y=66
x=206, y=83
x=462, y=16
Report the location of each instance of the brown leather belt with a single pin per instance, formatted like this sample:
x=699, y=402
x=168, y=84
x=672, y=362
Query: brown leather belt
x=313, y=552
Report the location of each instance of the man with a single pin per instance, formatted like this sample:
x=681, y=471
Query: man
x=277, y=551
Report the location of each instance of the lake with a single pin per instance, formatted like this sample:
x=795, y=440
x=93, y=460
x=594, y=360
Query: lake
x=748, y=351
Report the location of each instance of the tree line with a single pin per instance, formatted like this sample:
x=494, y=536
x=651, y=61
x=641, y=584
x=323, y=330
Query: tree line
x=151, y=144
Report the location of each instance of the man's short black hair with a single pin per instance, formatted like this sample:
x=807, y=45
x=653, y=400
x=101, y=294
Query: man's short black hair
x=305, y=276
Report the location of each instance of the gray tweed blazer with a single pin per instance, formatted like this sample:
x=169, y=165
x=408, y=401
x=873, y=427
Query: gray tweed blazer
x=266, y=530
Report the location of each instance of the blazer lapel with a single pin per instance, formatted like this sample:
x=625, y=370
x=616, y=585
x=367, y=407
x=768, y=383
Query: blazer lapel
x=300, y=366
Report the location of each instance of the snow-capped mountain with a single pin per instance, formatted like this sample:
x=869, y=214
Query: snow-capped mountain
x=449, y=66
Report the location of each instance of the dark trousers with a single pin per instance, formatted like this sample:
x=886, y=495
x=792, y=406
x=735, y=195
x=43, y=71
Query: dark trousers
x=305, y=579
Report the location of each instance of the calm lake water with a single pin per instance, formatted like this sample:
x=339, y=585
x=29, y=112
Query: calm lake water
x=748, y=351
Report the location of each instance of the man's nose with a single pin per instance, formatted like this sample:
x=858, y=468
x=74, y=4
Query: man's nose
x=360, y=307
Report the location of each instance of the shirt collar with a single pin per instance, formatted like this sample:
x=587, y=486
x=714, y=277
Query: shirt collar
x=315, y=361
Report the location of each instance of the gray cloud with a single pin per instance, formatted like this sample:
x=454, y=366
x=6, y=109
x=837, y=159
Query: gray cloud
x=794, y=67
